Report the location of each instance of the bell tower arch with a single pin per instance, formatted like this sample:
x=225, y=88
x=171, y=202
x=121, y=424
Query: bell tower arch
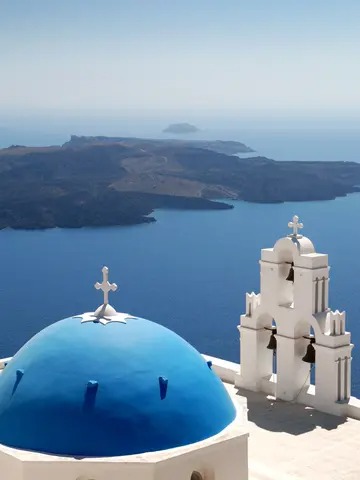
x=294, y=292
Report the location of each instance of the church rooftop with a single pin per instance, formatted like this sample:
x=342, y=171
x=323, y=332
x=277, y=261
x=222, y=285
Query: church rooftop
x=291, y=441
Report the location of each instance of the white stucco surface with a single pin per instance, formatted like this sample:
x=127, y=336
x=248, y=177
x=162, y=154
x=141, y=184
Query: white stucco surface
x=289, y=441
x=293, y=304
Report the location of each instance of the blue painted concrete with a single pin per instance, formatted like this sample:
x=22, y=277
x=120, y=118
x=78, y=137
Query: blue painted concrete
x=87, y=389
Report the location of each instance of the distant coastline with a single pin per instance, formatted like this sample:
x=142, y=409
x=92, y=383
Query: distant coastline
x=99, y=181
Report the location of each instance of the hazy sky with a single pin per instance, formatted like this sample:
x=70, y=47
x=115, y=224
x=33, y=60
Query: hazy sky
x=172, y=54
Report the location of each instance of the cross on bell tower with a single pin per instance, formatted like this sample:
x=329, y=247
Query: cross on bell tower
x=296, y=226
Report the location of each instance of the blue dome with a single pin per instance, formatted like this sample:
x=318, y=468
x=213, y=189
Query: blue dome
x=87, y=389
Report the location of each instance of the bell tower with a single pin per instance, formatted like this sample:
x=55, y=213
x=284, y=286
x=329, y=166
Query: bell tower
x=288, y=328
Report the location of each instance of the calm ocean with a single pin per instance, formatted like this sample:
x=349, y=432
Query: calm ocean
x=190, y=270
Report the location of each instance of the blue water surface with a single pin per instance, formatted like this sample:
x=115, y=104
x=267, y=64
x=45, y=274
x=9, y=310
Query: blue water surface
x=188, y=271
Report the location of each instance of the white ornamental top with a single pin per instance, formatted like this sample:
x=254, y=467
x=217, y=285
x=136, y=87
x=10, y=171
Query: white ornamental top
x=106, y=286
x=105, y=313
x=296, y=226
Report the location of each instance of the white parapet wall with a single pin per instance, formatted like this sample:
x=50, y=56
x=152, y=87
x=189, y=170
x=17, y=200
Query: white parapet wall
x=228, y=371
x=3, y=362
x=223, y=368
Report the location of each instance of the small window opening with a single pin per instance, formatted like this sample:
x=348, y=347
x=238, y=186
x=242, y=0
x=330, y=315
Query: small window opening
x=196, y=476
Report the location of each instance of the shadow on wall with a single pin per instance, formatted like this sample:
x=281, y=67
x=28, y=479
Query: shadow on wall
x=279, y=416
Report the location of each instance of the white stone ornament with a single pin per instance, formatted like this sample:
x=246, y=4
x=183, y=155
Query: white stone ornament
x=106, y=286
x=104, y=317
x=105, y=313
x=296, y=226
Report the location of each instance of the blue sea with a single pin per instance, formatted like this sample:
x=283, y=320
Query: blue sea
x=190, y=270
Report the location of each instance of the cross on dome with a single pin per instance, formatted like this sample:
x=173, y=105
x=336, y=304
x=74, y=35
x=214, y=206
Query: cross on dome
x=296, y=226
x=105, y=285
x=105, y=313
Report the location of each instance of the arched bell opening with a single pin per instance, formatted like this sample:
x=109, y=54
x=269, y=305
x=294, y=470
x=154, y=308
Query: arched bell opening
x=306, y=360
x=303, y=373
x=286, y=282
x=272, y=345
x=310, y=355
x=265, y=362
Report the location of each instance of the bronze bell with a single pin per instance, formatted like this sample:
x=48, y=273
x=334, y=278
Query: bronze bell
x=290, y=277
x=272, y=341
x=309, y=356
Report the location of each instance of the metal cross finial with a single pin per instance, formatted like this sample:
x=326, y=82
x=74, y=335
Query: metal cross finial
x=105, y=313
x=106, y=286
x=295, y=225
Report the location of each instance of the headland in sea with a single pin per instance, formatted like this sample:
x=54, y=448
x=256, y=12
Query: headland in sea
x=74, y=184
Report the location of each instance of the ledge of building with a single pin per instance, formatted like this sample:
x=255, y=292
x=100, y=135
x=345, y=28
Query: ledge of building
x=223, y=368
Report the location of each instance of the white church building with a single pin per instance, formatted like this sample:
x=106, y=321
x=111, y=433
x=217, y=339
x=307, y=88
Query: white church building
x=110, y=396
